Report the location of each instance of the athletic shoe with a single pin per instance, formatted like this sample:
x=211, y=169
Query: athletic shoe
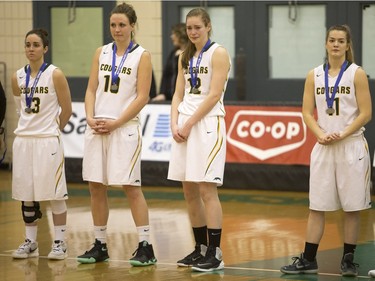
x=300, y=265
x=196, y=256
x=97, y=253
x=348, y=267
x=58, y=251
x=371, y=273
x=213, y=260
x=144, y=255
x=28, y=249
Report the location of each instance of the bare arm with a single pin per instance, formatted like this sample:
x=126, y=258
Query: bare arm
x=15, y=88
x=92, y=86
x=63, y=96
x=144, y=77
x=220, y=69
x=176, y=100
x=362, y=92
x=16, y=93
x=308, y=107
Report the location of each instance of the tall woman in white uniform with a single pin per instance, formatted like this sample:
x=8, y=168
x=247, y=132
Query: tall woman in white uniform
x=117, y=90
x=198, y=128
x=340, y=161
x=43, y=101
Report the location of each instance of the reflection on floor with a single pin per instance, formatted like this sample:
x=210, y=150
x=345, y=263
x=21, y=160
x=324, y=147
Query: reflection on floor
x=262, y=231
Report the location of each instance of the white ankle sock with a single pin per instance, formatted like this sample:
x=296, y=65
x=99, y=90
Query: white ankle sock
x=31, y=232
x=143, y=233
x=101, y=233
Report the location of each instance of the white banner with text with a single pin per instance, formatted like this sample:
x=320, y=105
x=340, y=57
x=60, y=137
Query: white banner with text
x=156, y=141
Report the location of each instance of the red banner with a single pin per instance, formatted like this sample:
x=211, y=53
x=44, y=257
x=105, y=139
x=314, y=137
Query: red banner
x=267, y=135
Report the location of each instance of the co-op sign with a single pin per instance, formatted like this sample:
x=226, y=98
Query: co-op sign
x=264, y=134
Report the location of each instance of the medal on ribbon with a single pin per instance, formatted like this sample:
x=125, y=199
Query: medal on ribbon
x=29, y=98
x=194, y=71
x=115, y=73
x=330, y=110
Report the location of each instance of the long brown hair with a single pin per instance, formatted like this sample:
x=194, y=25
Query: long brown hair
x=349, y=54
x=190, y=47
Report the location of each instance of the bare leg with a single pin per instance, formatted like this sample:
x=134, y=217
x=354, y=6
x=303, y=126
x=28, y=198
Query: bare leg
x=195, y=206
x=138, y=204
x=351, y=227
x=99, y=203
x=213, y=210
x=315, y=227
x=59, y=219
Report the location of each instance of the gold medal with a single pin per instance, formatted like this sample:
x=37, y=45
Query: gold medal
x=28, y=110
x=330, y=111
x=114, y=87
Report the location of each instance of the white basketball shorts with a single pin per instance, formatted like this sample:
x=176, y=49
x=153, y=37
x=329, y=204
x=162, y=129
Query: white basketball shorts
x=202, y=157
x=38, y=169
x=113, y=159
x=340, y=176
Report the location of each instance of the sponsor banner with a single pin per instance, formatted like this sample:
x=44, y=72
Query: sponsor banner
x=74, y=131
x=255, y=134
x=267, y=134
x=157, y=137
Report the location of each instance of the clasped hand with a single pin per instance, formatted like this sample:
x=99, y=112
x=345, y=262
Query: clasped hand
x=102, y=126
x=180, y=134
x=329, y=138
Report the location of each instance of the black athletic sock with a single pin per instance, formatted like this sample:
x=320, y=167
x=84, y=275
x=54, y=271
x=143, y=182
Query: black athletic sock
x=310, y=251
x=214, y=237
x=349, y=248
x=200, y=235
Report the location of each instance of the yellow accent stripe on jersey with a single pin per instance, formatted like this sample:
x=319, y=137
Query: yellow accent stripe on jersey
x=368, y=170
x=59, y=173
x=222, y=108
x=217, y=147
x=367, y=177
x=57, y=119
x=136, y=154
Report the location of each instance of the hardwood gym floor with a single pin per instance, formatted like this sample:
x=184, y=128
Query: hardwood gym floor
x=262, y=230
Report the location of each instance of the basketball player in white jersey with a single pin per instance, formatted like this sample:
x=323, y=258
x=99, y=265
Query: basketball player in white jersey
x=340, y=160
x=199, y=147
x=43, y=101
x=117, y=90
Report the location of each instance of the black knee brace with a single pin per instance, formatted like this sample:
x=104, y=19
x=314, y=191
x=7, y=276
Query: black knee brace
x=31, y=213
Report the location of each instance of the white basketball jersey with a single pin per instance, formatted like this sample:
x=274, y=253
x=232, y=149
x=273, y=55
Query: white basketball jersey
x=111, y=103
x=345, y=102
x=191, y=101
x=44, y=119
